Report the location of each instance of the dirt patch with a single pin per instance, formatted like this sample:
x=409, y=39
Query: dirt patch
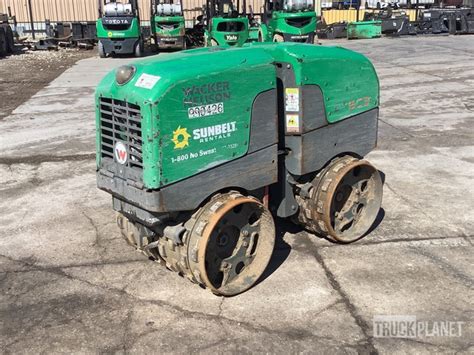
x=26, y=72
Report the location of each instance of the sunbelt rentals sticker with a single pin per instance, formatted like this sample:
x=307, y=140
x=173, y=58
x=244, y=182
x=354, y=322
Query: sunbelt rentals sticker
x=181, y=136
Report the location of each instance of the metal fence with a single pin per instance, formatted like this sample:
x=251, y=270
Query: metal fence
x=86, y=10
x=351, y=15
x=54, y=10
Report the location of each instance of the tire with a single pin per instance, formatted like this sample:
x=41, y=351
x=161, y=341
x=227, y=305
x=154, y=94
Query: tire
x=139, y=49
x=278, y=38
x=3, y=42
x=10, y=40
x=315, y=40
x=101, y=50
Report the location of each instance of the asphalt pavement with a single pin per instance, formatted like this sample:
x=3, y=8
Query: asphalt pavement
x=69, y=283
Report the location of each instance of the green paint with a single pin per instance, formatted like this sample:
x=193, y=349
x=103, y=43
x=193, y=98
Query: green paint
x=160, y=26
x=228, y=38
x=347, y=79
x=253, y=34
x=133, y=31
x=198, y=113
x=364, y=30
x=280, y=24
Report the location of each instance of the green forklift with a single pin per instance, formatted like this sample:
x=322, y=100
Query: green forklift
x=118, y=28
x=226, y=26
x=168, y=24
x=288, y=21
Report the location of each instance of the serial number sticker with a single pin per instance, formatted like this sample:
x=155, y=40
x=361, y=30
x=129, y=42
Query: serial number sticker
x=206, y=110
x=292, y=99
x=292, y=123
x=147, y=81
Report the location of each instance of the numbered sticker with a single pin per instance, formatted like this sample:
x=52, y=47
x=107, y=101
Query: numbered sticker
x=206, y=110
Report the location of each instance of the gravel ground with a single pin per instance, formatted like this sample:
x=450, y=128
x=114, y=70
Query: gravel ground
x=26, y=72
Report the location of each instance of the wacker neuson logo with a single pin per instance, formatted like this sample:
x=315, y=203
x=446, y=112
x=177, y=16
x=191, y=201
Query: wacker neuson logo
x=407, y=326
x=206, y=94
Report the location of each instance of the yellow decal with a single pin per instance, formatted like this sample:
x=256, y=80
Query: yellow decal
x=292, y=123
x=181, y=138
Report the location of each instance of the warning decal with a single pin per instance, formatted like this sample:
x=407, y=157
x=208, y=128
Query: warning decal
x=292, y=99
x=147, y=81
x=292, y=123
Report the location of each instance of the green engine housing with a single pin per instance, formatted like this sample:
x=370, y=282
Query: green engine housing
x=189, y=124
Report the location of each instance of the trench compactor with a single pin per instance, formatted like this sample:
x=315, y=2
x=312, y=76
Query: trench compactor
x=118, y=28
x=201, y=149
x=288, y=21
x=168, y=25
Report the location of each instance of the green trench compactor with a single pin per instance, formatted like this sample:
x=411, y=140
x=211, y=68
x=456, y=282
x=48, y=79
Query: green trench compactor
x=201, y=149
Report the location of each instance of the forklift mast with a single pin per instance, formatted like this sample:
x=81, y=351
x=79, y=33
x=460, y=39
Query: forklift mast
x=224, y=8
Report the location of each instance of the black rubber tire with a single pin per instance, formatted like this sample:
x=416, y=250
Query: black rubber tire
x=10, y=40
x=139, y=49
x=100, y=48
x=3, y=42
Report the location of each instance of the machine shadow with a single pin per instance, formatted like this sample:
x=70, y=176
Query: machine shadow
x=378, y=220
x=282, y=249
x=380, y=215
x=147, y=53
x=18, y=49
x=382, y=176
